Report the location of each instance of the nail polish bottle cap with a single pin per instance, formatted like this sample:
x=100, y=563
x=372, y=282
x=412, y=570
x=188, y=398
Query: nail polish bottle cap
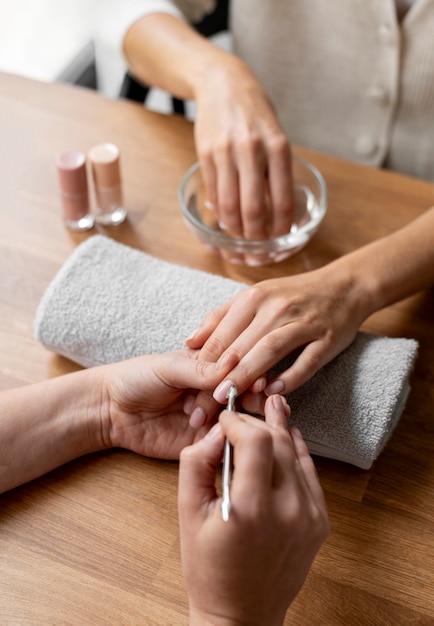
x=71, y=168
x=105, y=163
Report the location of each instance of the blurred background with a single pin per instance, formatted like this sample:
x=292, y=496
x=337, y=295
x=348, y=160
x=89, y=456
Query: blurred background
x=65, y=41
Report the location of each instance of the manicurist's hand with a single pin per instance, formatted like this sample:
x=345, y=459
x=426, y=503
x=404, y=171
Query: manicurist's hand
x=249, y=569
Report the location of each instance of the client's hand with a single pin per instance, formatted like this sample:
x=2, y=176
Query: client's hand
x=244, y=154
x=249, y=569
x=142, y=402
x=316, y=314
x=135, y=404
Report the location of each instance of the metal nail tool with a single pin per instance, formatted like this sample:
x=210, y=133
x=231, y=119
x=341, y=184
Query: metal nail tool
x=227, y=460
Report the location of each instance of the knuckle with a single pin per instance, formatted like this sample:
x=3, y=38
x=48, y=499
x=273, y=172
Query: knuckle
x=223, y=147
x=278, y=145
x=295, y=305
x=280, y=305
x=255, y=210
x=252, y=296
x=272, y=343
x=261, y=439
x=230, y=207
x=313, y=361
x=213, y=347
x=205, y=152
x=250, y=144
x=202, y=369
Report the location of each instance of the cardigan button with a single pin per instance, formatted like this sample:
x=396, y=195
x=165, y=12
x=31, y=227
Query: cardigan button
x=365, y=145
x=378, y=93
x=387, y=33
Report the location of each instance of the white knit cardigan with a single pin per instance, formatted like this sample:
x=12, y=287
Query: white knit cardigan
x=345, y=76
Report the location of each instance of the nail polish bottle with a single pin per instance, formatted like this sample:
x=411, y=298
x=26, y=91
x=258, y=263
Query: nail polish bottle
x=105, y=165
x=71, y=169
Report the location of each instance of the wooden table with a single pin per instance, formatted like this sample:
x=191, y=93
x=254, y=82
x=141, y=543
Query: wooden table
x=96, y=541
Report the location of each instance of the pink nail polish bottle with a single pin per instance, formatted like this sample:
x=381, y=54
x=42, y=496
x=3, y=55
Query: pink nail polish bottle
x=71, y=169
x=105, y=164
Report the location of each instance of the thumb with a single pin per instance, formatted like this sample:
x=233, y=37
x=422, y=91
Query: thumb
x=197, y=471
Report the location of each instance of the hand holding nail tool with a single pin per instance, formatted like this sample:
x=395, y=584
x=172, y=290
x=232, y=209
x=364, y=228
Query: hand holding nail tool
x=227, y=460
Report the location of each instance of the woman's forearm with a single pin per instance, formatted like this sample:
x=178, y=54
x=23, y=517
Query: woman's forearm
x=47, y=424
x=394, y=267
x=165, y=52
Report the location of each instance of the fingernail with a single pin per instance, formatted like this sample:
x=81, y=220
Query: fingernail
x=188, y=404
x=279, y=403
x=275, y=387
x=251, y=262
x=198, y=417
x=259, y=385
x=296, y=433
x=220, y=393
x=215, y=432
x=282, y=256
x=211, y=248
x=193, y=334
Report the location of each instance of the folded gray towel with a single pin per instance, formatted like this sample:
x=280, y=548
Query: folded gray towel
x=110, y=302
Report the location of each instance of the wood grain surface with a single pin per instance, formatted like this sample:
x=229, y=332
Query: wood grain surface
x=96, y=541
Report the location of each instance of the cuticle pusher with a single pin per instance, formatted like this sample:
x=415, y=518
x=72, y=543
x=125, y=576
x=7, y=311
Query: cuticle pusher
x=227, y=460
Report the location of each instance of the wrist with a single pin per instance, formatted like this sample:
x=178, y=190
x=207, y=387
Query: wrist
x=217, y=72
x=81, y=408
x=46, y=425
x=358, y=287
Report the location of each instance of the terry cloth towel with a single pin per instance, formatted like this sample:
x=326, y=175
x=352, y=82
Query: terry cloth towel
x=110, y=302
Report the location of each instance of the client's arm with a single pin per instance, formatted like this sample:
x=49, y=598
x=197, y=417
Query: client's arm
x=135, y=404
x=244, y=154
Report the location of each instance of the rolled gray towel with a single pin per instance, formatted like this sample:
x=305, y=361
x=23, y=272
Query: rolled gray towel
x=110, y=302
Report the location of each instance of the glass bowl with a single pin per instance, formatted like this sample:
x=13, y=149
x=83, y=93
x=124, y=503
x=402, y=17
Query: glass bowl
x=310, y=207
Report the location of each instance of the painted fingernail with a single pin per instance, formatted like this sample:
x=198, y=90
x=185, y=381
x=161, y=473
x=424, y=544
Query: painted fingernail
x=221, y=391
x=198, y=417
x=282, y=256
x=188, y=404
x=259, y=385
x=252, y=262
x=279, y=403
x=193, y=334
x=296, y=433
x=275, y=387
x=211, y=249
